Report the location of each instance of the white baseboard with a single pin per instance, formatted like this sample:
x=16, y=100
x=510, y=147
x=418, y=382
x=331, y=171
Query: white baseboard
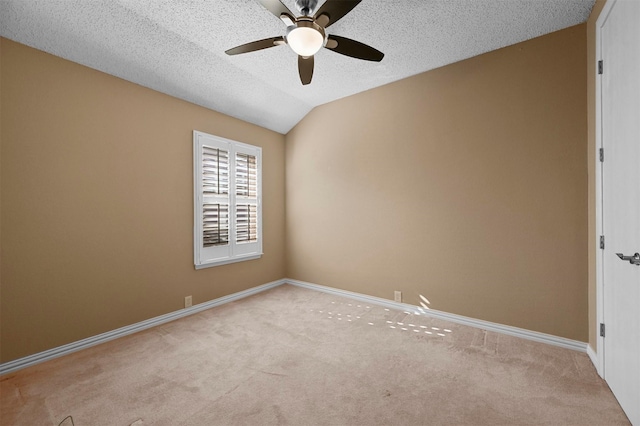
x=594, y=359
x=485, y=325
x=47, y=355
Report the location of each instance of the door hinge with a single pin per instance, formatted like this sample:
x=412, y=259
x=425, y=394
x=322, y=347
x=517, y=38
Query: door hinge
x=602, y=242
x=602, y=329
x=601, y=155
x=600, y=66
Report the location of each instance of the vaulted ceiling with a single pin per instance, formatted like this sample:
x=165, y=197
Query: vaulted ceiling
x=177, y=46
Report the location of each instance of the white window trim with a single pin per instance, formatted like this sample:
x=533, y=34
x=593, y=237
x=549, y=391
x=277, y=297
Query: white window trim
x=235, y=255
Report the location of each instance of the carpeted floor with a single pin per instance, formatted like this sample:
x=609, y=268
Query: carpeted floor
x=299, y=357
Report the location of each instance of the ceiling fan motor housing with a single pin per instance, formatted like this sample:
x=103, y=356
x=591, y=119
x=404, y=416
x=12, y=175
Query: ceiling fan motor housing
x=306, y=6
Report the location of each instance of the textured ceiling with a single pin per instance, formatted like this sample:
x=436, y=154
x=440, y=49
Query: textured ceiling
x=177, y=46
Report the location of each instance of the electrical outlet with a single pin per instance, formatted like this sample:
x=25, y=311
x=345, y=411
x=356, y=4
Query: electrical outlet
x=397, y=296
x=188, y=302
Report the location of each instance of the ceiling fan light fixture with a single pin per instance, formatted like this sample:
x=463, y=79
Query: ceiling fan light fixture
x=305, y=38
x=306, y=34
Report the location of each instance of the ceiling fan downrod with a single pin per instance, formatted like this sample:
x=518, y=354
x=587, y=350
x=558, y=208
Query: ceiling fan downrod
x=305, y=7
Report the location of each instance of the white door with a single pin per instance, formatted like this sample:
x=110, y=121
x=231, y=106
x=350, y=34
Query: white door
x=620, y=114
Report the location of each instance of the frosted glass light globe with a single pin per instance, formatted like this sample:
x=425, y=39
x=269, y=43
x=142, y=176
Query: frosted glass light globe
x=305, y=41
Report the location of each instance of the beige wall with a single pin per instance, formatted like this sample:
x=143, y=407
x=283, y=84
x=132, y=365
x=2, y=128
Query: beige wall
x=97, y=205
x=466, y=184
x=591, y=150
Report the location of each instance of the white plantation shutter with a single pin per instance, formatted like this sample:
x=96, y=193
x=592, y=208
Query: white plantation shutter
x=227, y=209
x=246, y=213
x=246, y=198
x=215, y=191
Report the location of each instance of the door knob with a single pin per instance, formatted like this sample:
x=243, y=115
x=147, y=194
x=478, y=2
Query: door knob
x=634, y=259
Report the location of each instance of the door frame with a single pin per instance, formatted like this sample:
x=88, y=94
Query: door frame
x=600, y=366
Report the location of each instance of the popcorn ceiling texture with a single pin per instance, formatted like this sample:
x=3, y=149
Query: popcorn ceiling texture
x=178, y=47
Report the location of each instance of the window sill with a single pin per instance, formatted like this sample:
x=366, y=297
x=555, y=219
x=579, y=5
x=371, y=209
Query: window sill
x=227, y=261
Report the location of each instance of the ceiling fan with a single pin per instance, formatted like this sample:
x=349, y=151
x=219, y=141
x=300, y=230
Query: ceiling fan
x=306, y=34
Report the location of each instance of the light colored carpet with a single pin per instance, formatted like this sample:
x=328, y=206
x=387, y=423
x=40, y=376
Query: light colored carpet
x=300, y=357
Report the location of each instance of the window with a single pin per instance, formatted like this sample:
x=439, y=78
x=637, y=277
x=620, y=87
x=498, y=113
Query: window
x=227, y=201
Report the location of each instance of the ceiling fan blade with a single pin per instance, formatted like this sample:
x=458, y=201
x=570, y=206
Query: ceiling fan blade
x=256, y=45
x=355, y=49
x=334, y=10
x=305, y=69
x=323, y=20
x=279, y=9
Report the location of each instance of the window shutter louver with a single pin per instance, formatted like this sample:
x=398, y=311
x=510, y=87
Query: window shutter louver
x=246, y=223
x=215, y=171
x=215, y=224
x=246, y=175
